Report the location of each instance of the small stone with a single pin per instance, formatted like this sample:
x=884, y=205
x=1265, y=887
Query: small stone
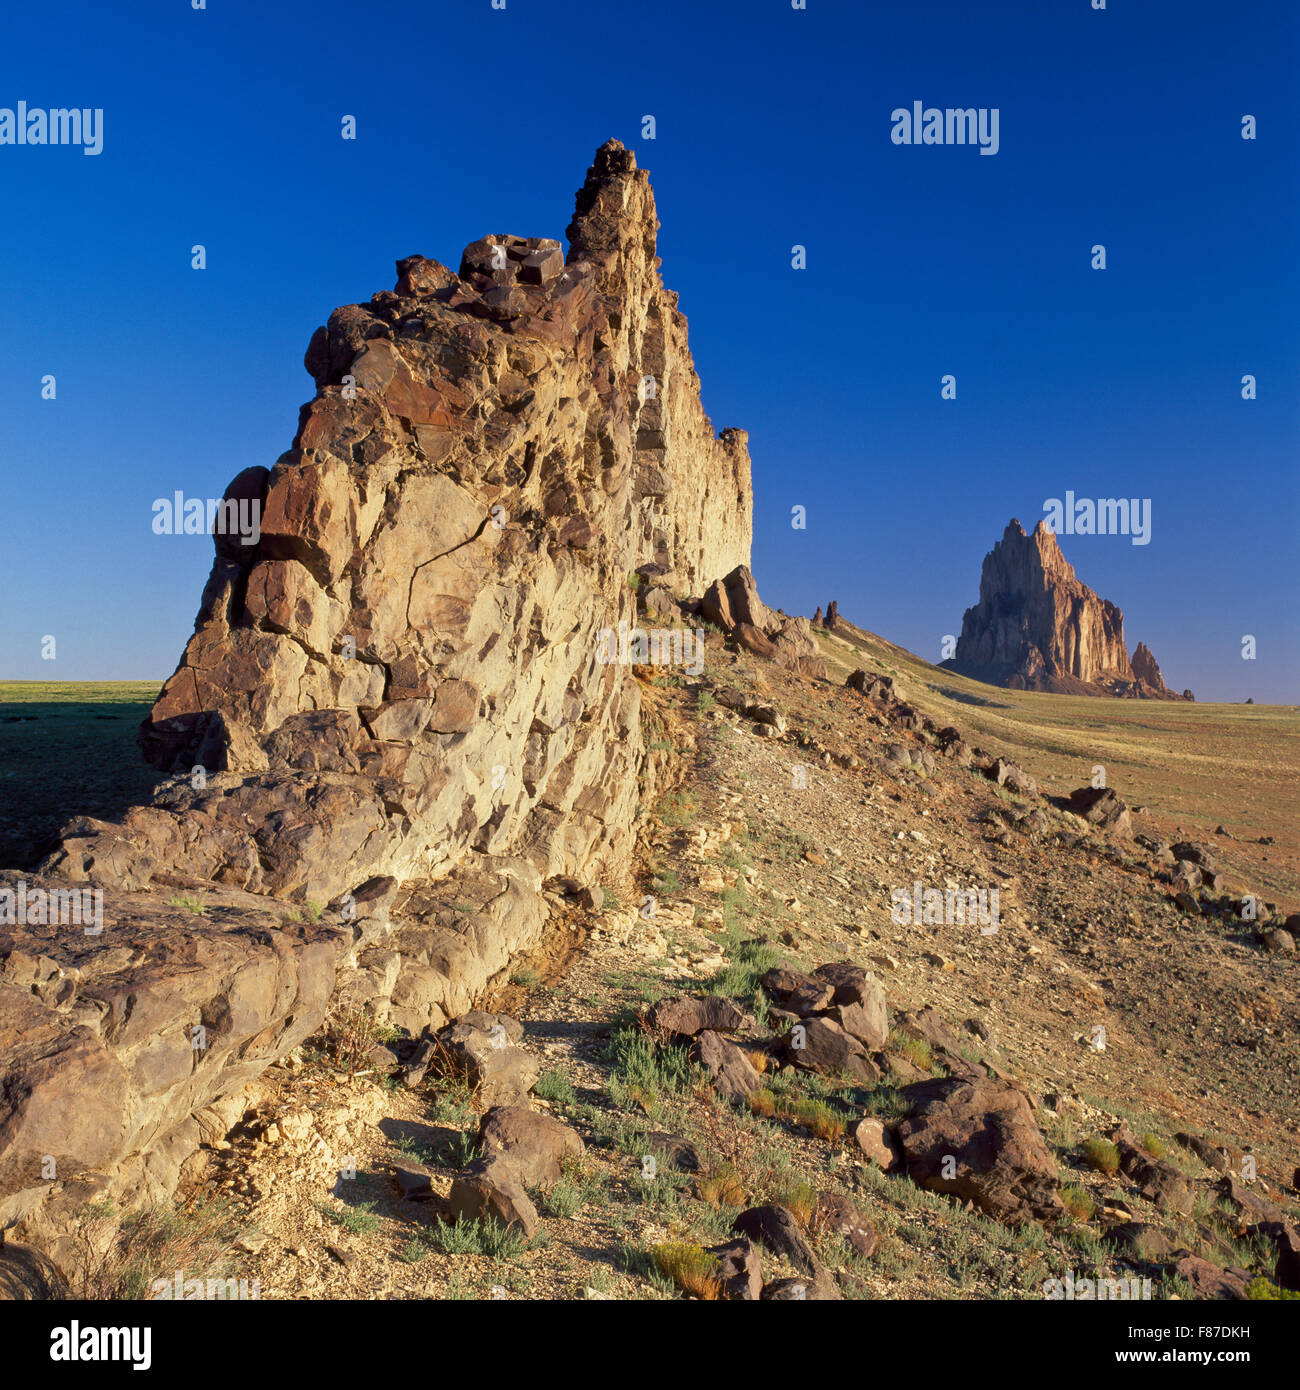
x=878, y=1143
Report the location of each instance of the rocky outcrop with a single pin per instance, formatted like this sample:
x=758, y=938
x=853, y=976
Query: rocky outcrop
x=407, y=666
x=1037, y=627
x=733, y=606
x=119, y=1051
x=1146, y=673
x=834, y=621
x=399, y=709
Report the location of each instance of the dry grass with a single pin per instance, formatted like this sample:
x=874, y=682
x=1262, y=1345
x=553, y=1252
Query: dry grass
x=120, y=1257
x=690, y=1267
x=1102, y=1155
x=817, y=1116
x=801, y=1202
x=762, y=1104
x=723, y=1187
x=1077, y=1203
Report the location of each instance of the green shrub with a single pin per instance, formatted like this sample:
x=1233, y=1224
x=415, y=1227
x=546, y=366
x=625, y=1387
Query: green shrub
x=1102, y=1155
x=554, y=1085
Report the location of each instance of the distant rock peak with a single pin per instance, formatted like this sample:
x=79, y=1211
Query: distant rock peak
x=1038, y=627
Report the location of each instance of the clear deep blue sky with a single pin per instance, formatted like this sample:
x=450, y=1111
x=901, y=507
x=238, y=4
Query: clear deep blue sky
x=1120, y=127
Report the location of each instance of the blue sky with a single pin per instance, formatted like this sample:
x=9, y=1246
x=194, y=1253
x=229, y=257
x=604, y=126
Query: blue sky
x=1120, y=127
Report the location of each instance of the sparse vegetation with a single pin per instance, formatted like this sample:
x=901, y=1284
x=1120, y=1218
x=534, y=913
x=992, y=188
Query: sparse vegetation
x=690, y=1267
x=1102, y=1155
x=554, y=1085
x=361, y=1219
x=489, y=1238
x=1077, y=1203
x=723, y=1187
x=678, y=808
x=801, y=1202
x=119, y=1257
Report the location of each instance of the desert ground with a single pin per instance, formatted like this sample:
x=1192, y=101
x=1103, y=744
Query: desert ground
x=788, y=823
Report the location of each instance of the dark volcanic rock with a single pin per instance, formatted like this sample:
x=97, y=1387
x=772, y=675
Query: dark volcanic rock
x=1102, y=807
x=978, y=1141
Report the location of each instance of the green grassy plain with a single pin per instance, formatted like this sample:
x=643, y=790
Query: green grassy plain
x=67, y=748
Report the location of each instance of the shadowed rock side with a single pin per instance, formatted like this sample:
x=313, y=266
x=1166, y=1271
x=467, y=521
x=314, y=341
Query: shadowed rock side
x=1037, y=627
x=393, y=708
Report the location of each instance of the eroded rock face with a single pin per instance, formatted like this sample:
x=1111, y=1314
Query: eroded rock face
x=408, y=664
x=112, y=1045
x=397, y=709
x=1037, y=627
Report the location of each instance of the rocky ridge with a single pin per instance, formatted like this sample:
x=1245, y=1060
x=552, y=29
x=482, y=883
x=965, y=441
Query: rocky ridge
x=392, y=743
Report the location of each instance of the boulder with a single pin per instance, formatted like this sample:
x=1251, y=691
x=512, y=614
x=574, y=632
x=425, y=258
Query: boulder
x=498, y=1072
x=688, y=1015
x=798, y=993
x=877, y=1143
x=732, y=1075
x=1008, y=774
x=535, y=1145
x=1102, y=807
x=26, y=1275
x=1209, y=1281
x=858, y=1004
x=740, y=1267
x=821, y=1045
x=1285, y=1240
x=672, y=1151
x=789, y=1291
x=978, y=1141
x=774, y=1228
x=413, y=1180
x=836, y=1215
x=490, y=1190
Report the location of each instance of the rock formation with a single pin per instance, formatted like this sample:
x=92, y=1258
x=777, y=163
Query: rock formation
x=1037, y=627
x=394, y=710
x=733, y=606
x=1146, y=673
x=488, y=456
